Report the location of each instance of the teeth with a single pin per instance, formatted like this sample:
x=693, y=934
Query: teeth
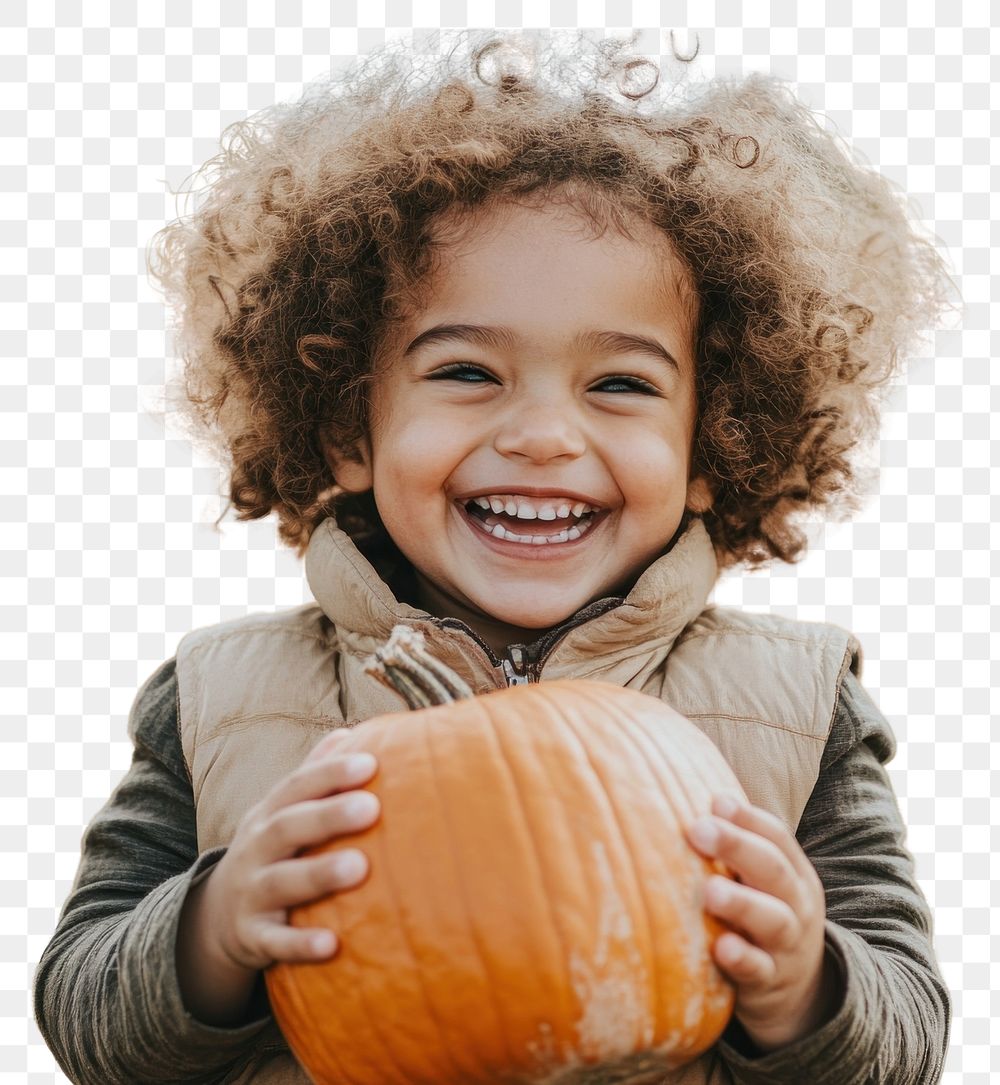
x=498, y=531
x=523, y=509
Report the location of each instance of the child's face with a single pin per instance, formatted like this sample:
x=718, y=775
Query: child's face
x=577, y=433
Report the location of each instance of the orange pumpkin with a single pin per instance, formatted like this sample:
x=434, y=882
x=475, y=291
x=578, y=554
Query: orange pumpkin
x=533, y=913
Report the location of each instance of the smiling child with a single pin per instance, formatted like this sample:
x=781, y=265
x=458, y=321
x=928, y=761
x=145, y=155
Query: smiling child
x=521, y=358
x=530, y=443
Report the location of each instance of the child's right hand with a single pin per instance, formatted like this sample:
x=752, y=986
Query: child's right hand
x=235, y=922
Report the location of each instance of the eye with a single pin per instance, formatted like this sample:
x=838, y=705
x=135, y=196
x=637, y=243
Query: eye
x=464, y=372
x=619, y=384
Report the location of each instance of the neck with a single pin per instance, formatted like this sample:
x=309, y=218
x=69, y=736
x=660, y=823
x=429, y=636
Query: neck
x=497, y=634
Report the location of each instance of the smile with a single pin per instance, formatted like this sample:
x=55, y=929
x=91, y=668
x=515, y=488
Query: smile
x=506, y=517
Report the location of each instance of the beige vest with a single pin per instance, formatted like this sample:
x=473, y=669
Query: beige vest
x=257, y=694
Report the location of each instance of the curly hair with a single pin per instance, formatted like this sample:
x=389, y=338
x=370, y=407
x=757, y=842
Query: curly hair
x=316, y=225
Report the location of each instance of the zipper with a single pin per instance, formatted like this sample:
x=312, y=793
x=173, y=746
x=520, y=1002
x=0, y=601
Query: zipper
x=521, y=664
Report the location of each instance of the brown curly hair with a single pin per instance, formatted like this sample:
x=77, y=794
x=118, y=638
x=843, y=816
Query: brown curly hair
x=316, y=225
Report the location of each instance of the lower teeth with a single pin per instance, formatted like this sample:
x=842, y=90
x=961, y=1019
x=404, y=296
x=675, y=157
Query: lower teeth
x=498, y=531
x=566, y=535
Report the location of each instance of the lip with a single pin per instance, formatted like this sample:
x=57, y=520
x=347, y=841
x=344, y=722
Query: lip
x=574, y=496
x=529, y=551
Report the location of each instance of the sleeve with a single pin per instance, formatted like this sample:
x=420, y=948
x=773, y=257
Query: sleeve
x=106, y=993
x=892, y=1024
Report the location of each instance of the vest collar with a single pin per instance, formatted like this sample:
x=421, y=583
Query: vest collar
x=629, y=636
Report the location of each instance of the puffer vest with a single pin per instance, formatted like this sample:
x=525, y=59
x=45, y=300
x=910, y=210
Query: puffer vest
x=256, y=694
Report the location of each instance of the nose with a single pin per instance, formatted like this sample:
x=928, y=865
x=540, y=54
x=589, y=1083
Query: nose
x=540, y=431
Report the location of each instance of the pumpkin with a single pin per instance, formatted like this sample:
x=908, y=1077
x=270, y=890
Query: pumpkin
x=533, y=912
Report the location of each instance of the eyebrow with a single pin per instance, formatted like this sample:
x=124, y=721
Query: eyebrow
x=495, y=338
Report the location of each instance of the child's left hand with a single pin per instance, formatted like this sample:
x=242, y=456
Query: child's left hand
x=786, y=987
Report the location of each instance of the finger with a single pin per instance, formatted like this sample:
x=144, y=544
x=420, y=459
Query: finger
x=745, y=964
x=319, y=777
x=757, y=861
x=294, y=881
x=765, y=824
x=312, y=822
x=280, y=942
x=766, y=921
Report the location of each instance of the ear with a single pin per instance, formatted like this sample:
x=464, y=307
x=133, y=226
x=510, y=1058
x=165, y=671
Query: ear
x=352, y=469
x=699, y=495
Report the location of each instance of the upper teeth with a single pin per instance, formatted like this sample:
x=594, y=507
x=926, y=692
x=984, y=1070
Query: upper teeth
x=526, y=508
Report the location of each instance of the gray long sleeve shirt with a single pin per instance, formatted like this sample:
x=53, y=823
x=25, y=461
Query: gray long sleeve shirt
x=106, y=992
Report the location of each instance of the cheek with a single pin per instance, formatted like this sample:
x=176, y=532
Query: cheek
x=650, y=463
x=414, y=456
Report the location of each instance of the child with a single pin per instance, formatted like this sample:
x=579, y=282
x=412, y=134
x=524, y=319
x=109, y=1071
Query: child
x=520, y=360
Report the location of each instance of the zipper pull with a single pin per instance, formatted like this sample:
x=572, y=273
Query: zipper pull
x=518, y=666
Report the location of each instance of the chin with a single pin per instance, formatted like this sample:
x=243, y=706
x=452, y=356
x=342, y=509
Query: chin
x=533, y=618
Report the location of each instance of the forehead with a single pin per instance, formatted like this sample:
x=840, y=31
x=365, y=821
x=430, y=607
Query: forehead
x=459, y=232
x=553, y=262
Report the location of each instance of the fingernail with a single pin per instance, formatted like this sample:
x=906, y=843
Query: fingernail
x=725, y=806
x=322, y=942
x=705, y=835
x=730, y=949
x=718, y=892
x=348, y=864
x=358, y=763
x=360, y=805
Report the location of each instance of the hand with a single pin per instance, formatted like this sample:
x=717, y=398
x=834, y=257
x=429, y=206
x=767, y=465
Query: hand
x=260, y=877
x=774, y=952
x=235, y=922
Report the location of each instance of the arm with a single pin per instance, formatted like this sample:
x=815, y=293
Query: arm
x=154, y=971
x=106, y=993
x=891, y=1017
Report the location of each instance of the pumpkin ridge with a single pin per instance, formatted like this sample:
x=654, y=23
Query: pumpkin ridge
x=675, y=784
x=677, y=780
x=627, y=845
x=678, y=766
x=441, y=802
x=290, y=976
x=565, y=982
x=404, y=665
x=474, y=705
x=617, y=713
x=370, y=1013
x=643, y=730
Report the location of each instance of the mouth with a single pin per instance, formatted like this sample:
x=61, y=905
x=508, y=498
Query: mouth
x=531, y=521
